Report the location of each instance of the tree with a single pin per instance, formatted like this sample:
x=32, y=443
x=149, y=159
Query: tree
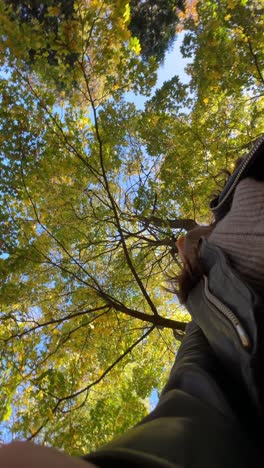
x=45, y=18
x=66, y=244
x=154, y=24
x=230, y=33
x=94, y=195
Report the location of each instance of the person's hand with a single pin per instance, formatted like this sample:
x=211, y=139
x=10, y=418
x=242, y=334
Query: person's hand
x=28, y=455
x=188, y=246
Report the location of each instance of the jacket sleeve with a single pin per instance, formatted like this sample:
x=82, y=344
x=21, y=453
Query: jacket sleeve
x=197, y=371
x=192, y=425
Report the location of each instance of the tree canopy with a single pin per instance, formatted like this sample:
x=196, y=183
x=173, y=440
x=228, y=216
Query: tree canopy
x=94, y=194
x=154, y=23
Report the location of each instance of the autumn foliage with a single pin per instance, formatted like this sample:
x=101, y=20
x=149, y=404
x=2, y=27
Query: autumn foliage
x=94, y=194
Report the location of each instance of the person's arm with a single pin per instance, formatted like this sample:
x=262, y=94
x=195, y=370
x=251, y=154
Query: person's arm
x=192, y=426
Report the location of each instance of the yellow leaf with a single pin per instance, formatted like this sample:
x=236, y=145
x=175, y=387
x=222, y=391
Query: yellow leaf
x=8, y=412
x=126, y=15
x=135, y=45
x=206, y=100
x=54, y=11
x=227, y=17
x=50, y=414
x=231, y=4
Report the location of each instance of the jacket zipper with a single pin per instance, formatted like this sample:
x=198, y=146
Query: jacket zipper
x=245, y=163
x=227, y=313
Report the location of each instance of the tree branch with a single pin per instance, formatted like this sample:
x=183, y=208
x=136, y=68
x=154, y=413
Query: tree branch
x=113, y=204
x=186, y=224
x=157, y=320
x=88, y=387
x=128, y=350
x=58, y=321
x=255, y=59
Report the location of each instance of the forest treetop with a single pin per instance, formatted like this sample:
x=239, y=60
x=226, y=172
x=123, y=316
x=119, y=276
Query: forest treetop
x=95, y=192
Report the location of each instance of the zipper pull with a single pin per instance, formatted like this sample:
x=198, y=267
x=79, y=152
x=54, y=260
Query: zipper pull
x=243, y=336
